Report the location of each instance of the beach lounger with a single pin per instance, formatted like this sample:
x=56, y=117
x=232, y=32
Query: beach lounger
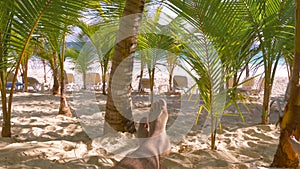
x=145, y=84
x=180, y=83
x=281, y=101
x=34, y=83
x=252, y=88
x=70, y=84
x=18, y=85
x=93, y=81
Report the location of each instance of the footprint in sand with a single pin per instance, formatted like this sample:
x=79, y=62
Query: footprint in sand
x=50, y=128
x=251, y=144
x=252, y=154
x=257, y=134
x=265, y=128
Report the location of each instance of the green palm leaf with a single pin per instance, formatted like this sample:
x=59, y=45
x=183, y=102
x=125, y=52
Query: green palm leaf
x=221, y=42
x=21, y=20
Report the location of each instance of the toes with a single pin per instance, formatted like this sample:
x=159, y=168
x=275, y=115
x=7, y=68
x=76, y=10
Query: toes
x=157, y=108
x=162, y=103
x=159, y=104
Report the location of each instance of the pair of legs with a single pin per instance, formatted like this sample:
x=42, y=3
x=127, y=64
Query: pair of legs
x=153, y=140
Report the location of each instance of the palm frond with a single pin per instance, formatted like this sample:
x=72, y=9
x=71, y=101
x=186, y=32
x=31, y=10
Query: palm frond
x=25, y=19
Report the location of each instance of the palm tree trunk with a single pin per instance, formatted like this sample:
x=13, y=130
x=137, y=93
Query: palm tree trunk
x=104, y=82
x=64, y=108
x=152, y=85
x=266, y=99
x=171, y=72
x=55, y=76
x=55, y=82
x=84, y=79
x=170, y=82
x=6, y=125
x=285, y=156
x=141, y=75
x=103, y=78
x=247, y=71
x=45, y=71
x=119, y=91
x=25, y=75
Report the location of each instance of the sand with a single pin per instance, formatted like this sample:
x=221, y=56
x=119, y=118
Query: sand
x=43, y=139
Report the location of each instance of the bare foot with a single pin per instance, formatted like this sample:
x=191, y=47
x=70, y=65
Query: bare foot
x=158, y=143
x=158, y=118
x=147, y=156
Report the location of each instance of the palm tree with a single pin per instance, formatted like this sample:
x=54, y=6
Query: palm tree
x=64, y=109
x=19, y=22
x=119, y=92
x=148, y=45
x=57, y=40
x=273, y=31
x=155, y=47
x=101, y=41
x=172, y=61
x=156, y=44
x=175, y=48
x=267, y=23
x=83, y=56
x=5, y=31
x=24, y=69
x=285, y=156
x=49, y=49
x=101, y=32
x=205, y=46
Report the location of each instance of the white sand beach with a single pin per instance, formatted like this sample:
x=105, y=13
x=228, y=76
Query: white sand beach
x=43, y=139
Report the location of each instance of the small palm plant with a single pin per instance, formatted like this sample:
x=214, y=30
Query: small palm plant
x=84, y=58
x=101, y=41
x=211, y=36
x=19, y=20
x=208, y=73
x=156, y=46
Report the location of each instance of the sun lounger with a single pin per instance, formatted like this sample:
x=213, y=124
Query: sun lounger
x=252, y=88
x=180, y=83
x=70, y=84
x=281, y=101
x=93, y=81
x=18, y=85
x=34, y=83
x=145, y=84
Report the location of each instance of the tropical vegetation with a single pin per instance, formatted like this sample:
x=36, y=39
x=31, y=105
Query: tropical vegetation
x=219, y=40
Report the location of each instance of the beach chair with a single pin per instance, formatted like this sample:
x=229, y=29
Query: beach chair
x=93, y=81
x=18, y=85
x=70, y=84
x=180, y=83
x=34, y=83
x=281, y=101
x=252, y=88
x=145, y=84
x=70, y=78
